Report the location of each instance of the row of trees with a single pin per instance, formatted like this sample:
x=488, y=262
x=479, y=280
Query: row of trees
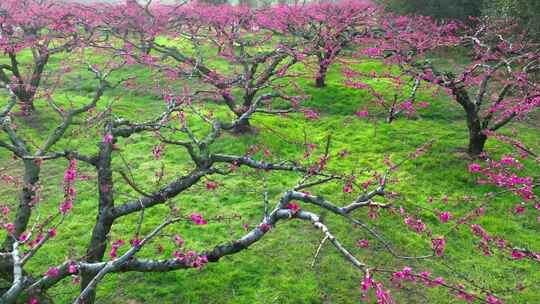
x=501, y=71
x=261, y=49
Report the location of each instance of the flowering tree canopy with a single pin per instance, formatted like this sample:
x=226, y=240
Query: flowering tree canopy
x=254, y=62
x=326, y=29
x=497, y=83
x=30, y=33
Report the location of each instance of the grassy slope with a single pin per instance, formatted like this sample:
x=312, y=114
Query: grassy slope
x=277, y=269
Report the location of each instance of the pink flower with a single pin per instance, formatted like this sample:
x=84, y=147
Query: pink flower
x=445, y=199
x=311, y=146
x=108, y=139
x=366, y=284
x=423, y=104
x=362, y=114
x=310, y=114
x=444, y=216
x=518, y=255
x=52, y=232
x=475, y=168
x=245, y=226
x=348, y=186
x=438, y=245
x=179, y=241
x=23, y=237
x=343, y=153
x=372, y=52
x=492, y=300
x=198, y=220
x=72, y=268
x=408, y=105
x=114, y=248
x=294, y=207
x=71, y=172
x=478, y=230
x=363, y=243
x=519, y=209
x=157, y=150
x=211, y=186
x=179, y=255
x=480, y=211
x=10, y=227
x=52, y=272
x=438, y=281
x=415, y=224
x=66, y=206
x=5, y=211
x=265, y=227
x=407, y=270
x=199, y=262
x=349, y=73
x=382, y=296
x=425, y=274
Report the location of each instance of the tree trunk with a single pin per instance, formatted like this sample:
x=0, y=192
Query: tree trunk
x=105, y=219
x=27, y=104
x=26, y=95
x=392, y=113
x=243, y=128
x=22, y=218
x=477, y=140
x=320, y=80
x=26, y=201
x=96, y=251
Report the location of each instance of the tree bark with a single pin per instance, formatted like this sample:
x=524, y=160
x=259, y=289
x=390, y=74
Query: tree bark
x=477, y=138
x=244, y=127
x=26, y=201
x=392, y=112
x=26, y=103
x=22, y=218
x=26, y=95
x=105, y=219
x=320, y=80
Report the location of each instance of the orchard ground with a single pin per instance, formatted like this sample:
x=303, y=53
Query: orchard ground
x=279, y=268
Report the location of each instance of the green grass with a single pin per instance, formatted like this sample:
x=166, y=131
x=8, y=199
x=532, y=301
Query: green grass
x=278, y=268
